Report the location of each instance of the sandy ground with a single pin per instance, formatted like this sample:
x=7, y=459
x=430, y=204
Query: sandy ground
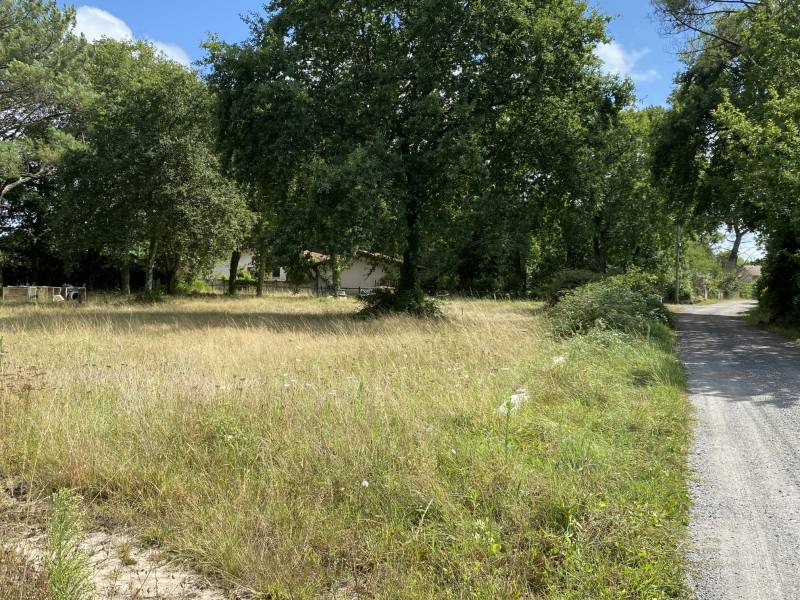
x=122, y=569
x=745, y=386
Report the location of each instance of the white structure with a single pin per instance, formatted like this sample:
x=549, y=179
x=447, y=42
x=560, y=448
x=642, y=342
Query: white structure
x=367, y=271
x=247, y=262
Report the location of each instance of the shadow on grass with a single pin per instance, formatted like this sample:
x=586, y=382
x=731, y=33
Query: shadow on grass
x=166, y=321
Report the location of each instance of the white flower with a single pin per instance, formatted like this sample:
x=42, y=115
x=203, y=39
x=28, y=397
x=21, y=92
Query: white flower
x=365, y=484
x=558, y=361
x=520, y=396
x=514, y=403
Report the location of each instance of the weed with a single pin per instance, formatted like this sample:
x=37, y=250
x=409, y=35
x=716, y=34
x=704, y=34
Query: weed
x=66, y=564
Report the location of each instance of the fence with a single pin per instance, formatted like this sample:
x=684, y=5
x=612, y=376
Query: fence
x=27, y=293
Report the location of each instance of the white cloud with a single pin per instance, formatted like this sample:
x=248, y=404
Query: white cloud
x=173, y=51
x=96, y=24
x=618, y=61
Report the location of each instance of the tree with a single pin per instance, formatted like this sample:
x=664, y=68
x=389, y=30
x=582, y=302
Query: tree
x=703, y=17
x=147, y=183
x=381, y=120
x=40, y=88
x=729, y=146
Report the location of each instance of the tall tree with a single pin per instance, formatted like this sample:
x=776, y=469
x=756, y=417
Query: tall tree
x=408, y=103
x=40, y=88
x=146, y=182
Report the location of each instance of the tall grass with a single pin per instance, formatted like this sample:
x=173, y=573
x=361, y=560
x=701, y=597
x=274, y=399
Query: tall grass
x=284, y=446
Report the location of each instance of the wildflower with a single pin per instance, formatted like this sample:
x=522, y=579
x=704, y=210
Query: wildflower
x=332, y=393
x=514, y=403
x=365, y=484
x=558, y=361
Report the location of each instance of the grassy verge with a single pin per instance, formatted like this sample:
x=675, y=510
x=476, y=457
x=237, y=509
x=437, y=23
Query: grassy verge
x=282, y=445
x=759, y=318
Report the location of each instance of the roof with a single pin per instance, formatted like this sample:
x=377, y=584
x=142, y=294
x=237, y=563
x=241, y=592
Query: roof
x=369, y=256
x=751, y=272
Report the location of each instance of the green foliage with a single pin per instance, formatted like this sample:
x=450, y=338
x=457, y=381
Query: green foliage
x=458, y=104
x=67, y=565
x=616, y=303
x=384, y=301
x=42, y=84
x=565, y=281
x=779, y=287
x=147, y=183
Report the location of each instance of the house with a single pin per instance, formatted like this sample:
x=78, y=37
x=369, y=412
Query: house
x=367, y=270
x=247, y=262
x=750, y=273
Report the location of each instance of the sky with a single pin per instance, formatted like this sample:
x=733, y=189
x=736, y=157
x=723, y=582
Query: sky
x=178, y=27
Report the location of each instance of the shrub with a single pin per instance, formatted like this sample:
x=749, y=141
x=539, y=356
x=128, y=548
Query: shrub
x=67, y=565
x=618, y=303
x=384, y=301
x=565, y=281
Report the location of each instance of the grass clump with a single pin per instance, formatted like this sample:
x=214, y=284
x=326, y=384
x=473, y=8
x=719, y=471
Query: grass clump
x=284, y=446
x=621, y=303
x=20, y=580
x=69, y=574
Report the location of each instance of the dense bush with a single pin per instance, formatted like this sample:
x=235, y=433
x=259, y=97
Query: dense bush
x=622, y=303
x=384, y=301
x=564, y=281
x=779, y=287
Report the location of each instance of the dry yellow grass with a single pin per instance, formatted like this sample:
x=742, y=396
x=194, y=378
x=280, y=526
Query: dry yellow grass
x=282, y=445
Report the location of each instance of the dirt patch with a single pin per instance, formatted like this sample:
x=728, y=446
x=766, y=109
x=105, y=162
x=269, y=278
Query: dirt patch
x=122, y=568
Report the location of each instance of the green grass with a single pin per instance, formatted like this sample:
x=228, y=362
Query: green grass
x=284, y=446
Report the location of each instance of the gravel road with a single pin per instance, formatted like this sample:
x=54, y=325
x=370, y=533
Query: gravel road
x=745, y=386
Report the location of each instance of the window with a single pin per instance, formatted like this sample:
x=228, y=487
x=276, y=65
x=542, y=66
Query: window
x=276, y=274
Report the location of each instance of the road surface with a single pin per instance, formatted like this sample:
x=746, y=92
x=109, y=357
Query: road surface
x=745, y=526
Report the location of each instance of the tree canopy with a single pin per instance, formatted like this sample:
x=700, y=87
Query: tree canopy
x=380, y=121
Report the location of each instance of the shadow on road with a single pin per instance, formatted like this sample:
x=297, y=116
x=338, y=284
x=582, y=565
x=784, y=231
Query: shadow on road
x=728, y=358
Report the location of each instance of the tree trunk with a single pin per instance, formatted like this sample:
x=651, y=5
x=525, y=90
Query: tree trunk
x=599, y=246
x=409, y=288
x=732, y=263
x=336, y=273
x=151, y=264
x=236, y=256
x=262, y=272
x=172, y=280
x=125, y=279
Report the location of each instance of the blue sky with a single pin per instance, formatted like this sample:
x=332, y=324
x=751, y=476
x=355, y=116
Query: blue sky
x=179, y=26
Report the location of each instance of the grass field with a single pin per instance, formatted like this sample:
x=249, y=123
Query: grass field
x=283, y=446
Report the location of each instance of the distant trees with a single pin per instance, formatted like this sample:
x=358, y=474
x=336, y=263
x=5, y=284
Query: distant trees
x=728, y=148
x=145, y=184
